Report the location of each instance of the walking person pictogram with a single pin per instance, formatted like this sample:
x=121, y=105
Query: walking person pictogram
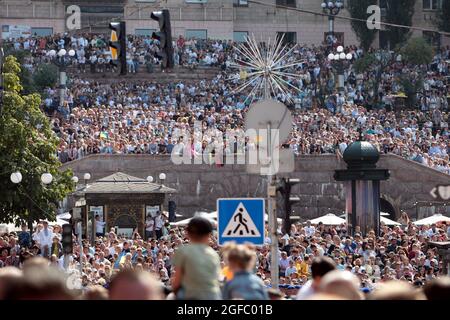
x=242, y=222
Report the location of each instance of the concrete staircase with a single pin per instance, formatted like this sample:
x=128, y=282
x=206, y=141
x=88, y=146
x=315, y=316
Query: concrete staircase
x=183, y=74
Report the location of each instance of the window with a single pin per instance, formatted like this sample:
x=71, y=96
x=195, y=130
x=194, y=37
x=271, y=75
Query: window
x=287, y=3
x=42, y=32
x=240, y=3
x=196, y=1
x=144, y=32
x=240, y=36
x=198, y=34
x=432, y=4
x=289, y=37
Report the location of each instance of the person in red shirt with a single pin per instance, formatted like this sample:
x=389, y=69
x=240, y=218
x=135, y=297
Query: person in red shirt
x=180, y=42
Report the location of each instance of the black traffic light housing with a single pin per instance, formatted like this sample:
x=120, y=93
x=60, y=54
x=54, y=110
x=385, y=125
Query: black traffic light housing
x=284, y=187
x=164, y=36
x=67, y=240
x=119, y=43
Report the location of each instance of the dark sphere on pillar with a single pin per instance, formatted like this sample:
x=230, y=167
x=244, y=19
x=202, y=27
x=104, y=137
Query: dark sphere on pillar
x=361, y=154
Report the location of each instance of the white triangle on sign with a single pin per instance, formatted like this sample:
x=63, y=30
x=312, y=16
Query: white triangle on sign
x=241, y=225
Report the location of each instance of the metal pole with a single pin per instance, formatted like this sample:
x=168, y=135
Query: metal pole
x=62, y=85
x=271, y=207
x=1, y=74
x=80, y=242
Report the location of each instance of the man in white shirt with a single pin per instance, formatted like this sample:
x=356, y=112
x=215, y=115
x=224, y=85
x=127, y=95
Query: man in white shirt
x=45, y=238
x=159, y=224
x=99, y=226
x=309, y=229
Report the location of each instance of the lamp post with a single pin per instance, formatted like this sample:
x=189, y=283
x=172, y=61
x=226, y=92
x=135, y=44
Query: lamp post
x=16, y=178
x=162, y=177
x=332, y=8
x=62, y=59
x=338, y=59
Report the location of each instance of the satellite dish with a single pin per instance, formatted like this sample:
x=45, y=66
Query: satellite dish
x=269, y=112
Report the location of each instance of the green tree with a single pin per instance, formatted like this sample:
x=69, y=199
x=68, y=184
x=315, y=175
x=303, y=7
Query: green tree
x=27, y=145
x=399, y=12
x=45, y=76
x=443, y=17
x=358, y=10
x=376, y=63
x=417, y=51
x=411, y=87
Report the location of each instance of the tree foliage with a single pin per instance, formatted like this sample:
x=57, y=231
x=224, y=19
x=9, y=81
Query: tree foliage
x=417, y=51
x=34, y=81
x=45, y=76
x=374, y=63
x=358, y=10
x=399, y=12
x=27, y=145
x=411, y=87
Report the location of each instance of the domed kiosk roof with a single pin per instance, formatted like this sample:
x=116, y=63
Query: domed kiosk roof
x=361, y=154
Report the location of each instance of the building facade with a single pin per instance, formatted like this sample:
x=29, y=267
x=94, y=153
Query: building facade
x=216, y=19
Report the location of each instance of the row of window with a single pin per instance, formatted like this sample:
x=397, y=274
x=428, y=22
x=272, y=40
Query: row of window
x=426, y=4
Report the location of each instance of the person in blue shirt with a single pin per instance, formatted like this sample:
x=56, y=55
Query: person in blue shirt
x=24, y=237
x=244, y=285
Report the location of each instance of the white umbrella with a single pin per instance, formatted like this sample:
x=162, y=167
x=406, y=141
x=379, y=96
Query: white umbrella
x=329, y=219
x=7, y=228
x=389, y=222
x=183, y=223
x=431, y=220
x=59, y=222
x=65, y=216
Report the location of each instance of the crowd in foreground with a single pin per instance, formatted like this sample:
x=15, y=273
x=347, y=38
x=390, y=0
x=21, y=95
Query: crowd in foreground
x=315, y=262
x=141, y=117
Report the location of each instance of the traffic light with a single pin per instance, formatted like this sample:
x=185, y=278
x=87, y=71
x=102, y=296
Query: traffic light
x=165, y=38
x=172, y=208
x=118, y=45
x=284, y=187
x=67, y=240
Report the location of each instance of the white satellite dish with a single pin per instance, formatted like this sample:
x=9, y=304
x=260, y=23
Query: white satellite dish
x=269, y=112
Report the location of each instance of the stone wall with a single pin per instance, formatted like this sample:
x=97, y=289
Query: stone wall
x=199, y=186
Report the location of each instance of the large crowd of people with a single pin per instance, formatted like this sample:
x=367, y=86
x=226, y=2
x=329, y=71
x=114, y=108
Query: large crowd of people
x=147, y=117
x=315, y=262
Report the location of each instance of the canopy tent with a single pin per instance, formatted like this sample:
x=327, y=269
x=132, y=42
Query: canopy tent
x=329, y=219
x=389, y=222
x=213, y=215
x=431, y=220
x=185, y=222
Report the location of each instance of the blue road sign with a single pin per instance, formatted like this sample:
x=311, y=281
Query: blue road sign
x=240, y=220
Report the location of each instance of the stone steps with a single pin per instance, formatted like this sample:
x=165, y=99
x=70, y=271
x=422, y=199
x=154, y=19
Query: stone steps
x=177, y=74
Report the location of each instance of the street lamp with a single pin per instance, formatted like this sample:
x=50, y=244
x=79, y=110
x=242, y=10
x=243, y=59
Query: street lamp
x=63, y=59
x=16, y=177
x=75, y=179
x=150, y=179
x=338, y=59
x=86, y=177
x=332, y=8
x=162, y=177
x=46, y=178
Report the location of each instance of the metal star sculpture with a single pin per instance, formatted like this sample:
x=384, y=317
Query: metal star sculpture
x=268, y=68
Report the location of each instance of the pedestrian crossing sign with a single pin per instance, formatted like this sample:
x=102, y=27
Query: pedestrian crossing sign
x=240, y=220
